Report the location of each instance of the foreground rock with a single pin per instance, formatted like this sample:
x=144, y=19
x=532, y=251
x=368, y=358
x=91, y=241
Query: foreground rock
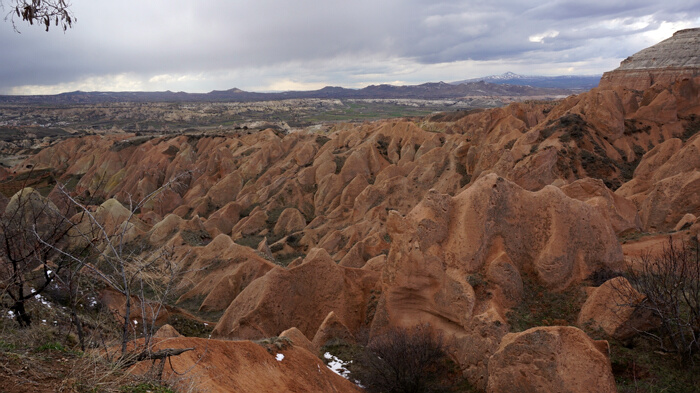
x=551, y=360
x=243, y=366
x=611, y=307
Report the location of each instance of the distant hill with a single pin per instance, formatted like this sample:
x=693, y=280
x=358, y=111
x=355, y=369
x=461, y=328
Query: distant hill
x=577, y=82
x=439, y=90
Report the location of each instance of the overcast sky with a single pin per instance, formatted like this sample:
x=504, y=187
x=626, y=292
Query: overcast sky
x=266, y=45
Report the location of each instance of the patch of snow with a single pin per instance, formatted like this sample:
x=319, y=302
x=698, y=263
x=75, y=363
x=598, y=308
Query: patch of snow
x=279, y=357
x=42, y=300
x=339, y=366
x=136, y=322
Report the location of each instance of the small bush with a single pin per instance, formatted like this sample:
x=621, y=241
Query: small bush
x=196, y=238
x=408, y=361
x=189, y=327
x=600, y=276
x=322, y=139
x=273, y=344
x=146, y=388
x=541, y=306
x=52, y=346
x=639, y=367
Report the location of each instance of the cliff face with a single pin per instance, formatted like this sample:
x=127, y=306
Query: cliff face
x=676, y=57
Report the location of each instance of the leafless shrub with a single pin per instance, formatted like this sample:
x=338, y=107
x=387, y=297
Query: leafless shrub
x=44, y=12
x=29, y=264
x=144, y=277
x=72, y=251
x=405, y=360
x=600, y=276
x=670, y=285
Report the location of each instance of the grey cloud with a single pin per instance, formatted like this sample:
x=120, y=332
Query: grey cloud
x=160, y=37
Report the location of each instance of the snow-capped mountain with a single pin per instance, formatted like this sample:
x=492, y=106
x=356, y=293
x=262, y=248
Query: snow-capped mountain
x=582, y=82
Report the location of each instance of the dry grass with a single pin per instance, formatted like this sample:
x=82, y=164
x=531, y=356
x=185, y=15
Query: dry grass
x=46, y=356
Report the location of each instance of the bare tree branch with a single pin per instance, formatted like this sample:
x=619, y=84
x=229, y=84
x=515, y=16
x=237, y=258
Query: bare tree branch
x=43, y=12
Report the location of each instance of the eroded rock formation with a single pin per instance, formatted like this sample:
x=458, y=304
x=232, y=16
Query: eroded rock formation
x=551, y=359
x=678, y=56
x=405, y=221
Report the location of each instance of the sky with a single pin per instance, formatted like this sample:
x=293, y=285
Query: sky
x=275, y=45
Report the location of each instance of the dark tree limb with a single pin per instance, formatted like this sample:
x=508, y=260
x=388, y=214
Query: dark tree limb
x=133, y=358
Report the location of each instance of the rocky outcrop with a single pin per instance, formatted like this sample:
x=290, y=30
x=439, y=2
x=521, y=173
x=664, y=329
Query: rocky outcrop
x=686, y=222
x=620, y=212
x=303, y=190
x=458, y=263
x=551, y=359
x=299, y=339
x=167, y=331
x=300, y=297
x=666, y=184
x=612, y=308
x=673, y=58
x=334, y=329
x=218, y=272
x=243, y=366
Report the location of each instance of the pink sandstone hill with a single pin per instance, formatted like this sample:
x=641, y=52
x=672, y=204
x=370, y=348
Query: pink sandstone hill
x=458, y=263
x=390, y=223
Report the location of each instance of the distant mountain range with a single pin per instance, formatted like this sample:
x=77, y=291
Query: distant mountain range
x=503, y=86
x=576, y=82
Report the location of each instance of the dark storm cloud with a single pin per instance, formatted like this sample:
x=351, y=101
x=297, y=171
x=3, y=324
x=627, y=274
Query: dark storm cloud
x=205, y=43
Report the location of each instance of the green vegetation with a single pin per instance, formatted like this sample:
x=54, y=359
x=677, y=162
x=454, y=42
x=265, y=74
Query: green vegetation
x=146, y=388
x=196, y=238
x=352, y=110
x=6, y=346
x=285, y=260
x=339, y=163
x=543, y=307
x=274, y=344
x=251, y=241
x=691, y=126
x=639, y=368
x=151, y=118
x=189, y=327
x=40, y=179
x=51, y=346
x=637, y=363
